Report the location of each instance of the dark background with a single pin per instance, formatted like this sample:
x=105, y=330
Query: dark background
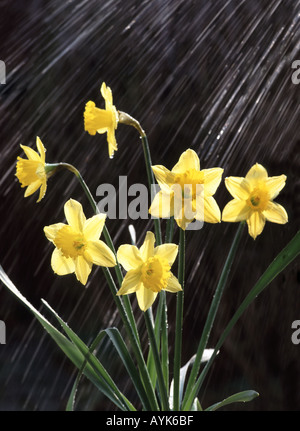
x=214, y=76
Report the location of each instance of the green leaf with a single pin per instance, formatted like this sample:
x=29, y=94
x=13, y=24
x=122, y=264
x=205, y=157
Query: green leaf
x=70, y=349
x=213, y=312
x=182, y=376
x=196, y=406
x=183, y=373
x=71, y=400
x=282, y=260
x=240, y=397
x=119, y=344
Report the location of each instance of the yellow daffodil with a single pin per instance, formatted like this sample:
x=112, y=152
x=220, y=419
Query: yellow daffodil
x=103, y=120
x=186, y=191
x=32, y=172
x=253, y=199
x=77, y=244
x=149, y=270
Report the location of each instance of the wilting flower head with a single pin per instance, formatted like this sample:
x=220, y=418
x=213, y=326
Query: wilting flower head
x=149, y=270
x=103, y=120
x=31, y=172
x=77, y=244
x=186, y=191
x=253, y=199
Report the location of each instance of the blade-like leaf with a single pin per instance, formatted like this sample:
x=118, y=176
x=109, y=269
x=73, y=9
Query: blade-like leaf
x=182, y=376
x=132, y=370
x=282, y=260
x=183, y=372
x=240, y=397
x=196, y=407
x=118, y=342
x=71, y=400
x=92, y=360
x=69, y=349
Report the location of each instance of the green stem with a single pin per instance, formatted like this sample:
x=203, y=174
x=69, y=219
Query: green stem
x=125, y=118
x=179, y=322
x=212, y=312
x=164, y=341
x=160, y=377
x=124, y=312
x=169, y=229
x=151, y=182
x=284, y=258
x=153, y=405
x=164, y=314
x=71, y=168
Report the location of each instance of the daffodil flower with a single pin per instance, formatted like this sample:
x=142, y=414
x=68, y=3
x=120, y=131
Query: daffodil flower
x=77, y=244
x=149, y=270
x=103, y=120
x=253, y=200
x=186, y=191
x=32, y=172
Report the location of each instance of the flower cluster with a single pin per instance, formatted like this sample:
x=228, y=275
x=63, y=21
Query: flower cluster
x=186, y=193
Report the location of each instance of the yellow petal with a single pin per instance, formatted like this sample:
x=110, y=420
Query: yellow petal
x=162, y=205
x=275, y=213
x=42, y=190
x=131, y=283
x=61, y=265
x=167, y=251
x=173, y=285
x=106, y=94
x=32, y=188
x=275, y=185
x=112, y=143
x=212, y=213
x=145, y=298
x=238, y=187
x=82, y=269
x=74, y=215
x=212, y=179
x=257, y=172
x=183, y=222
x=100, y=254
x=183, y=207
x=147, y=249
x=51, y=231
x=256, y=223
x=235, y=210
x=188, y=160
x=41, y=149
x=164, y=177
x=93, y=227
x=129, y=256
x=30, y=153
